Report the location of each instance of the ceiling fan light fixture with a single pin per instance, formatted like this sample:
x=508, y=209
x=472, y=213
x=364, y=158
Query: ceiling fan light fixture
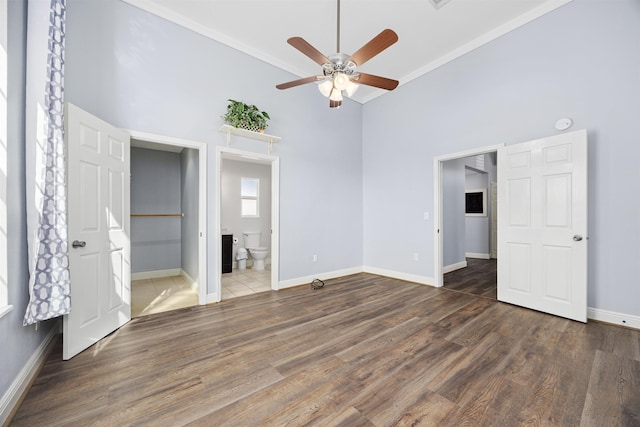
x=326, y=87
x=339, y=70
x=351, y=88
x=336, y=95
x=340, y=81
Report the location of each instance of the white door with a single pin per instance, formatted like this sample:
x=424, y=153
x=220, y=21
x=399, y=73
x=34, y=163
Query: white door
x=493, y=221
x=99, y=245
x=542, y=225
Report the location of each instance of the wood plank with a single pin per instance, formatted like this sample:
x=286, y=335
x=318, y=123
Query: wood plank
x=350, y=417
x=293, y=397
x=479, y=277
x=469, y=373
x=613, y=396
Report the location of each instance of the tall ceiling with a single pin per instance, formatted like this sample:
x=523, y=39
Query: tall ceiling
x=429, y=36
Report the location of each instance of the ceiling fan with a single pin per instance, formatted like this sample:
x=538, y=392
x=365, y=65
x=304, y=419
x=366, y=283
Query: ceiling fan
x=339, y=70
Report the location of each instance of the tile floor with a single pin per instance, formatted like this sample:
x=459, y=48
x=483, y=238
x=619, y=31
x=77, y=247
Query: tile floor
x=245, y=282
x=169, y=293
x=161, y=294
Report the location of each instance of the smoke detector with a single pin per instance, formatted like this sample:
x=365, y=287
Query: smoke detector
x=439, y=3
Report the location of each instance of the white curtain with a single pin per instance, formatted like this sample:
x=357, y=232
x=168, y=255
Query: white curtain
x=46, y=186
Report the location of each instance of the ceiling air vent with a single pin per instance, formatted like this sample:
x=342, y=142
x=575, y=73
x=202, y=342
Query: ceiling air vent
x=439, y=3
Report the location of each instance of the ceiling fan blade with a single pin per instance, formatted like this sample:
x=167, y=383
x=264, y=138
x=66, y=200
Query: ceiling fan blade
x=299, y=82
x=376, y=81
x=334, y=104
x=303, y=46
x=376, y=45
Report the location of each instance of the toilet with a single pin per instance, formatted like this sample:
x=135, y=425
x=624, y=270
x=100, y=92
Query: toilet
x=257, y=252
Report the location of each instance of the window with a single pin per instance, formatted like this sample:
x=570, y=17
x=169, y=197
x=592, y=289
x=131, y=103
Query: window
x=4, y=280
x=249, y=192
x=476, y=202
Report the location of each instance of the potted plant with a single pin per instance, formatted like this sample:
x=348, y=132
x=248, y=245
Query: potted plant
x=245, y=116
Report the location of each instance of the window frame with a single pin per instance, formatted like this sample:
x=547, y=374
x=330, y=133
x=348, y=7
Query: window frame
x=255, y=198
x=4, y=111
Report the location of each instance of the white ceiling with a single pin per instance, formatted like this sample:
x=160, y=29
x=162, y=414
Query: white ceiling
x=428, y=37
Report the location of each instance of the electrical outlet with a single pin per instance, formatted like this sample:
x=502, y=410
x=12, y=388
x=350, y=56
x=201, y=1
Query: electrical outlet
x=426, y=216
x=315, y=258
x=415, y=256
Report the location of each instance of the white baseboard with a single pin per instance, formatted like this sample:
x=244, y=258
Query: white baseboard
x=5, y=309
x=453, y=267
x=195, y=286
x=415, y=278
x=211, y=298
x=613, y=317
x=154, y=274
x=322, y=276
x=26, y=375
x=477, y=255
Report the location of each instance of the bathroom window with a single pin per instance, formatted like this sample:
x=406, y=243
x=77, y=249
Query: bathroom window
x=249, y=191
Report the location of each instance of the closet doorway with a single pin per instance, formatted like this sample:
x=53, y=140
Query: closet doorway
x=168, y=223
x=246, y=180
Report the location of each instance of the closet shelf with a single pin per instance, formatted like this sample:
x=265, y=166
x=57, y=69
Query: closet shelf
x=158, y=214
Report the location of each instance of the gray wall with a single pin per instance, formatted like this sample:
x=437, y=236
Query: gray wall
x=189, y=169
x=580, y=61
x=230, y=216
x=18, y=343
x=464, y=234
x=476, y=228
x=155, y=188
x=132, y=69
x=453, y=219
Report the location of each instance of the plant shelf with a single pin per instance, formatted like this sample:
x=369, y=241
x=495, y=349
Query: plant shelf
x=230, y=130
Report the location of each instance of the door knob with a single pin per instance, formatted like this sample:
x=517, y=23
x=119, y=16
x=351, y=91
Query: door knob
x=78, y=244
x=577, y=237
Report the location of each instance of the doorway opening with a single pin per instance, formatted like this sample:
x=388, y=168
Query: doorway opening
x=247, y=220
x=168, y=223
x=465, y=207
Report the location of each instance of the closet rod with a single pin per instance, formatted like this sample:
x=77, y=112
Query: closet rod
x=178, y=214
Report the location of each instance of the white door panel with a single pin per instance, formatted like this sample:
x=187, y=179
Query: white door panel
x=98, y=197
x=542, y=205
x=493, y=228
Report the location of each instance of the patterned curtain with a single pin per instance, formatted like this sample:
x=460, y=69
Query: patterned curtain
x=49, y=254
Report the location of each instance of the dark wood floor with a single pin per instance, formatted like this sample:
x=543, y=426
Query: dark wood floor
x=479, y=277
x=363, y=351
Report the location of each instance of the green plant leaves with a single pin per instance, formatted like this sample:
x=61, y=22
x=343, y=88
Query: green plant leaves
x=245, y=116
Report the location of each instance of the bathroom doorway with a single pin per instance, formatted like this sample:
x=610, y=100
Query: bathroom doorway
x=248, y=186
